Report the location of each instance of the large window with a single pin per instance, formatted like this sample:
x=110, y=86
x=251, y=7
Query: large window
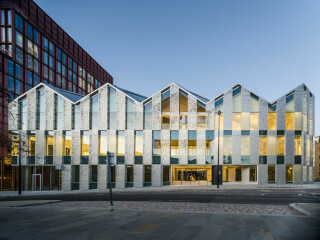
x=253, y=174
x=129, y=176
x=165, y=108
x=85, y=141
x=121, y=143
x=174, y=147
x=262, y=145
x=289, y=174
x=147, y=176
x=76, y=117
x=202, y=116
x=183, y=98
x=112, y=109
x=297, y=145
x=49, y=143
x=280, y=145
x=41, y=108
x=245, y=147
x=156, y=147
x=219, y=107
x=31, y=144
x=138, y=143
x=254, y=112
x=272, y=145
x=298, y=121
x=103, y=143
x=67, y=143
x=271, y=173
x=192, y=147
x=209, y=147
x=23, y=114
x=129, y=114
x=58, y=112
x=147, y=110
x=227, y=147
x=236, y=109
x=289, y=111
x=272, y=117
x=94, y=111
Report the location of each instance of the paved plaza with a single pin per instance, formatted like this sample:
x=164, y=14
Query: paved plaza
x=92, y=220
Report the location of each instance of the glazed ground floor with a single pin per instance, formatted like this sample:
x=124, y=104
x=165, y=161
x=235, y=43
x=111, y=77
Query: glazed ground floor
x=85, y=177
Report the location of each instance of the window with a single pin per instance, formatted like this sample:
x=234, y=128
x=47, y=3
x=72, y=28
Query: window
x=236, y=121
x=67, y=140
x=272, y=145
x=58, y=110
x=49, y=143
x=93, y=176
x=271, y=173
x=297, y=145
x=280, y=145
x=18, y=87
x=209, y=143
x=272, y=117
x=192, y=146
x=289, y=111
x=183, y=99
x=254, y=121
x=10, y=83
x=23, y=114
x=94, y=112
x=41, y=109
x=236, y=108
x=156, y=147
x=253, y=174
x=75, y=177
x=19, y=39
x=103, y=143
x=298, y=121
x=227, y=147
x=112, y=112
x=129, y=114
x=202, y=116
x=15, y=145
x=147, y=110
x=30, y=31
x=45, y=44
x=245, y=146
x=129, y=176
x=76, y=117
x=10, y=67
x=147, y=176
x=85, y=141
x=166, y=176
x=262, y=145
x=120, y=143
x=138, y=143
x=254, y=115
x=31, y=144
x=289, y=174
x=18, y=71
x=174, y=136
x=165, y=108
x=18, y=22
x=19, y=55
x=219, y=107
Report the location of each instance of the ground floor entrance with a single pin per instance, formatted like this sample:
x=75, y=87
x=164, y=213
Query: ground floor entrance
x=243, y=174
x=191, y=175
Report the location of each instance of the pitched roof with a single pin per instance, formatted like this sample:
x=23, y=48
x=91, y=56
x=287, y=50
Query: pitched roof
x=196, y=95
x=74, y=97
x=135, y=96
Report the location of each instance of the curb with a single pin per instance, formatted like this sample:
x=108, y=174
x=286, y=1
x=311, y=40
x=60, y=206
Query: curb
x=296, y=208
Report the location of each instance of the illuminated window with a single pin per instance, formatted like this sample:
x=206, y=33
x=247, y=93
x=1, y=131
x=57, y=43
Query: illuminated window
x=272, y=117
x=297, y=145
x=85, y=143
x=165, y=108
x=156, y=147
x=202, y=116
x=254, y=121
x=148, y=115
x=236, y=121
x=129, y=114
x=289, y=173
x=32, y=144
x=280, y=145
x=138, y=143
x=103, y=143
x=298, y=121
x=253, y=174
x=121, y=143
x=67, y=140
x=263, y=145
x=209, y=143
x=174, y=143
x=289, y=111
x=49, y=143
x=192, y=143
x=254, y=115
x=227, y=147
x=245, y=121
x=272, y=145
x=245, y=143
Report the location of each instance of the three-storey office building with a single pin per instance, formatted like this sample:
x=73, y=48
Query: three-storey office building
x=166, y=139
x=34, y=49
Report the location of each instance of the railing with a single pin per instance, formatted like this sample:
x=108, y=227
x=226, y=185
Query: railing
x=280, y=185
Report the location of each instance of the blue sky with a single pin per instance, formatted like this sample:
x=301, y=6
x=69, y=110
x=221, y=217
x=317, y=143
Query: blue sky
x=206, y=46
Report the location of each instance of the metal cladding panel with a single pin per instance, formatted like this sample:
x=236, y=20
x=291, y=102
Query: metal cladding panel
x=192, y=117
x=289, y=145
x=280, y=173
x=120, y=176
x=272, y=159
x=129, y=146
x=311, y=174
x=112, y=141
x=138, y=116
x=57, y=147
x=147, y=147
x=263, y=114
x=227, y=112
x=156, y=111
x=174, y=121
x=201, y=147
x=13, y=115
x=138, y=176
x=297, y=173
x=66, y=177
x=245, y=100
x=174, y=99
x=305, y=112
x=40, y=147
x=121, y=110
x=156, y=175
x=183, y=147
x=281, y=113
x=32, y=109
x=236, y=147
x=308, y=111
x=313, y=115
x=84, y=177
x=103, y=108
x=67, y=115
x=75, y=147
x=254, y=147
x=165, y=146
x=102, y=176
x=210, y=118
x=49, y=109
x=262, y=170
x=298, y=99
x=94, y=147
x=304, y=174
x=85, y=114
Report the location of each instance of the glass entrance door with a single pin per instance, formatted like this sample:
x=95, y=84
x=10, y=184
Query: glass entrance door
x=188, y=174
x=36, y=182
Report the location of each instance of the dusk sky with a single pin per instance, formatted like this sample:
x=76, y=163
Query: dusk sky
x=206, y=46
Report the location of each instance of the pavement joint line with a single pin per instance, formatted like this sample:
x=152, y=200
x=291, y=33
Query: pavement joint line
x=35, y=204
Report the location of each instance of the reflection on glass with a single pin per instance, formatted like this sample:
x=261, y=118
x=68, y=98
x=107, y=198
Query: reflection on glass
x=103, y=143
x=297, y=145
x=165, y=108
x=263, y=145
x=271, y=173
x=129, y=114
x=174, y=143
x=280, y=145
x=148, y=115
x=85, y=143
x=156, y=143
x=32, y=145
x=112, y=114
x=138, y=143
x=253, y=174
x=272, y=146
x=120, y=143
x=289, y=173
x=67, y=143
x=49, y=147
x=202, y=116
x=192, y=143
x=94, y=111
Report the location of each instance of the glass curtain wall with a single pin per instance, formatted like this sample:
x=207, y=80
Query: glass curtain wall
x=94, y=112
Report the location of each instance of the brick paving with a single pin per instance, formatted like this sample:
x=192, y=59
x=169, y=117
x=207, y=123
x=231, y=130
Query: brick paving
x=255, y=209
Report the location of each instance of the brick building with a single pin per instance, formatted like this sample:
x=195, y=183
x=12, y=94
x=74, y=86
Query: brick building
x=34, y=49
x=317, y=158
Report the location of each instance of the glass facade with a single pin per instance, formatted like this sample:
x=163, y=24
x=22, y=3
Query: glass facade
x=112, y=112
x=58, y=108
x=85, y=143
x=147, y=110
x=165, y=108
x=94, y=112
x=41, y=109
x=129, y=114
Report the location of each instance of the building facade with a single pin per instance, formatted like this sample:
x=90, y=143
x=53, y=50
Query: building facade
x=317, y=158
x=34, y=49
x=169, y=138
